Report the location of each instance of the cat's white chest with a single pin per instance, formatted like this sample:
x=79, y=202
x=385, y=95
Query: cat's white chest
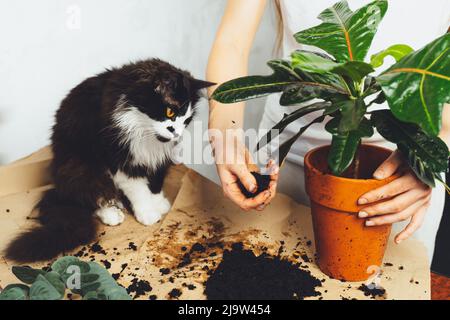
x=149, y=152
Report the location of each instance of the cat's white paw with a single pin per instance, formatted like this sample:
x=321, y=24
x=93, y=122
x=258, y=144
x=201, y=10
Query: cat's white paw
x=162, y=205
x=147, y=215
x=111, y=216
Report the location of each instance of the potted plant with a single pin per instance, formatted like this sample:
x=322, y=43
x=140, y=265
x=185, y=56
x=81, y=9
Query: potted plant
x=68, y=274
x=415, y=88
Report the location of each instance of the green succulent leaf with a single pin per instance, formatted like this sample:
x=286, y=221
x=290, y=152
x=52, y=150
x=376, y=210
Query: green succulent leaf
x=26, y=274
x=288, y=119
x=427, y=155
x=417, y=87
x=345, y=34
x=15, y=292
x=91, y=295
x=42, y=289
x=54, y=278
x=397, y=51
x=63, y=263
x=107, y=285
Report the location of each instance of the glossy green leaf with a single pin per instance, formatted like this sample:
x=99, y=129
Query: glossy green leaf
x=247, y=88
x=345, y=145
x=251, y=87
x=287, y=120
x=427, y=155
x=352, y=112
x=345, y=34
x=355, y=70
x=26, y=274
x=312, y=62
x=316, y=63
x=417, y=87
x=287, y=145
x=306, y=91
x=397, y=51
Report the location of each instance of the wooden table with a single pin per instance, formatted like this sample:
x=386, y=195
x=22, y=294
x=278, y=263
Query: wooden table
x=440, y=287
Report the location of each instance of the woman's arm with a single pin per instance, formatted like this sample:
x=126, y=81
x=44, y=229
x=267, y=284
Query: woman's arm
x=228, y=60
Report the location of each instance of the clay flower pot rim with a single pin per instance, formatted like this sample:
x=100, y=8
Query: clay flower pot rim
x=308, y=163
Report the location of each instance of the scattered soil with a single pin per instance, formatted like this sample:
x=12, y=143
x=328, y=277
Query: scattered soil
x=97, y=248
x=373, y=293
x=175, y=293
x=139, y=287
x=261, y=181
x=242, y=275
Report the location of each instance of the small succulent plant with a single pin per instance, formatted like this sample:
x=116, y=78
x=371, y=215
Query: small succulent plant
x=67, y=274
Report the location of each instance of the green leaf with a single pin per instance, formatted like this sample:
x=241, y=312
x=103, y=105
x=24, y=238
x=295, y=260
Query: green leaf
x=352, y=112
x=92, y=295
x=427, y=155
x=417, y=87
x=15, y=292
x=63, y=263
x=305, y=91
x=42, y=289
x=54, y=278
x=312, y=62
x=287, y=145
x=26, y=274
x=397, y=51
x=288, y=119
x=316, y=63
x=345, y=34
x=251, y=87
x=345, y=145
x=108, y=286
x=355, y=70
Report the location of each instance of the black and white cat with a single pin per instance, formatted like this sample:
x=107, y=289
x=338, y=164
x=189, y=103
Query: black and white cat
x=112, y=142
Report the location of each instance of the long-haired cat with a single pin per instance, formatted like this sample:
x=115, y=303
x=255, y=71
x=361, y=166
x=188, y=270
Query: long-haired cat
x=112, y=144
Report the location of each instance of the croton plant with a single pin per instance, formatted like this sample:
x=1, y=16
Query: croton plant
x=415, y=88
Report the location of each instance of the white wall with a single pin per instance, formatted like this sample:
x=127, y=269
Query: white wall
x=45, y=50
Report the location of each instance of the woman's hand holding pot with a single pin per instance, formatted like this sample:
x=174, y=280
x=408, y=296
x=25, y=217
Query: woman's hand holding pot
x=405, y=198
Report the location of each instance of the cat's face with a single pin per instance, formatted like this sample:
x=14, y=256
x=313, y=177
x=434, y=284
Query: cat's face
x=163, y=104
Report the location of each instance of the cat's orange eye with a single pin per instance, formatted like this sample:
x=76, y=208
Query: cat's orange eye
x=169, y=113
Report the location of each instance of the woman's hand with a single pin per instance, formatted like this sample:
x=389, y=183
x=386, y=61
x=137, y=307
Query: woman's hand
x=406, y=198
x=234, y=163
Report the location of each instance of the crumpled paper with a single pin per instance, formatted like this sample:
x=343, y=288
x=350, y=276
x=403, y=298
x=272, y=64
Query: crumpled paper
x=173, y=258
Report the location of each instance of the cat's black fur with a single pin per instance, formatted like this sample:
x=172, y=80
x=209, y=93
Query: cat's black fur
x=87, y=149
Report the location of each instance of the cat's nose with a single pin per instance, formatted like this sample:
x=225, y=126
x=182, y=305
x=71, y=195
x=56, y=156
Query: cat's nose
x=171, y=129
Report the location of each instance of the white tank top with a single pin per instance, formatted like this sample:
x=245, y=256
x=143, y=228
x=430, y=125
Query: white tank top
x=412, y=22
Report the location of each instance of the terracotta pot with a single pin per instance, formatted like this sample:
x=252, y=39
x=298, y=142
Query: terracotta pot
x=346, y=248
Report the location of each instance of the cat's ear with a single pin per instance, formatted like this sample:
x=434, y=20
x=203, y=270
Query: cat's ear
x=200, y=84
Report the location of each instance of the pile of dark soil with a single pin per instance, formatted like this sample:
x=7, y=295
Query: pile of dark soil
x=242, y=276
x=262, y=182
